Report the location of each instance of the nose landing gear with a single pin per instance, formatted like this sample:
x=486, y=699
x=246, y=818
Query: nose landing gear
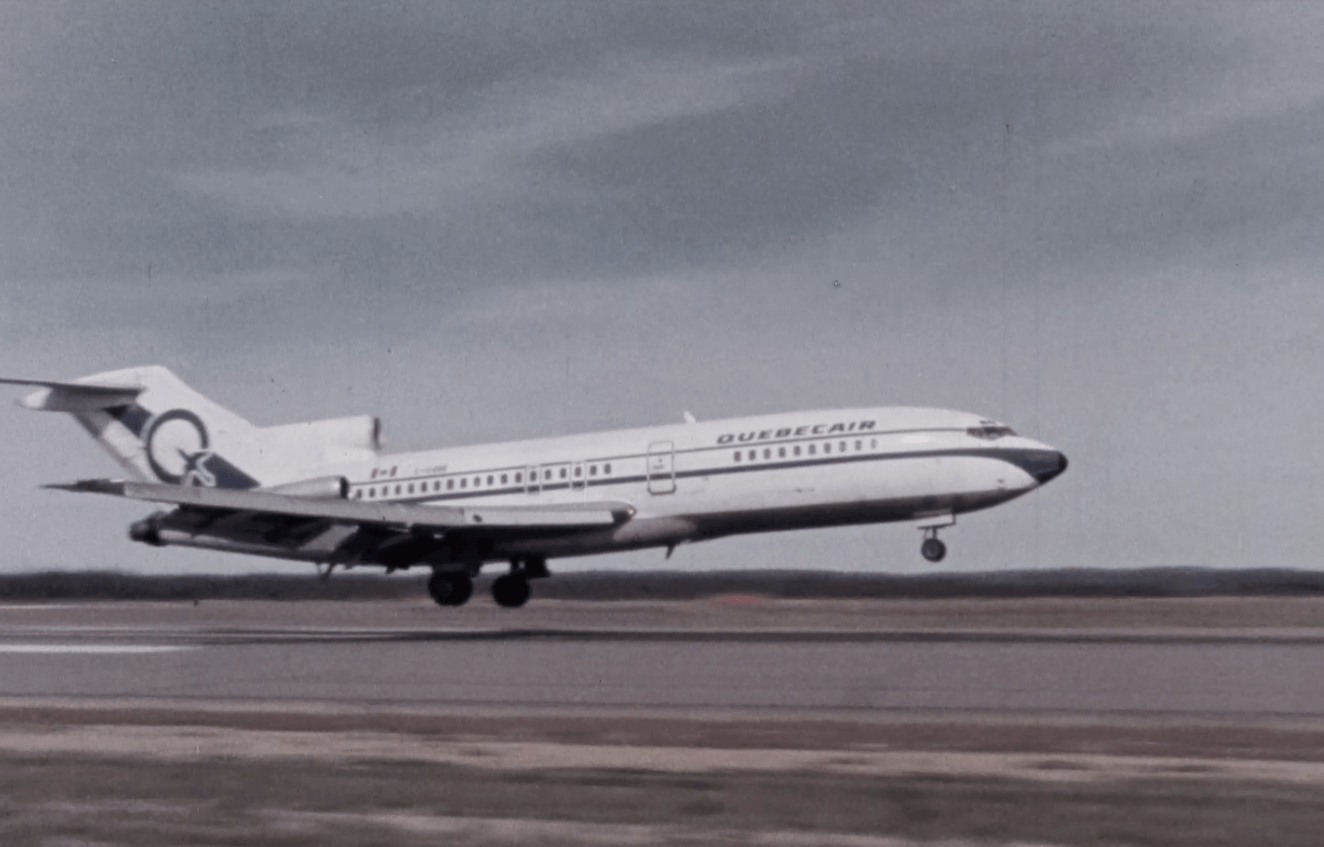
x=933, y=549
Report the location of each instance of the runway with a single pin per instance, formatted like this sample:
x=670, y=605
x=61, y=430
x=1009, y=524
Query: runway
x=744, y=721
x=281, y=652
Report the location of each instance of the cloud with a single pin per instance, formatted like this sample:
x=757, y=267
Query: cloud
x=1269, y=69
x=402, y=142
x=358, y=171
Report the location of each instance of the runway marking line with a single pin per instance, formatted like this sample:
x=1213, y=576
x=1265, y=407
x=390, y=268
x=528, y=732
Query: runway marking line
x=94, y=649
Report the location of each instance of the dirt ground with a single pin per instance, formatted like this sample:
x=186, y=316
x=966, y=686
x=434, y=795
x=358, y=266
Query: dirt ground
x=115, y=801
x=78, y=773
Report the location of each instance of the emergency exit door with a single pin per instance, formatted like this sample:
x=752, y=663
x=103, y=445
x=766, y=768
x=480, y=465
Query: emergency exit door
x=661, y=467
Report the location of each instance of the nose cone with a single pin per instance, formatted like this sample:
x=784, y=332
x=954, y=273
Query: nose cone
x=1049, y=465
x=1040, y=461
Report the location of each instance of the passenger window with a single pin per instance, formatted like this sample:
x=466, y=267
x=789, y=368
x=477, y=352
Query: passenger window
x=411, y=488
x=767, y=453
x=358, y=494
x=464, y=483
x=478, y=481
x=812, y=450
x=843, y=447
x=592, y=470
x=503, y=479
x=562, y=473
x=450, y=484
x=397, y=489
x=781, y=452
x=547, y=474
x=578, y=471
x=873, y=443
x=372, y=492
x=737, y=455
x=827, y=447
x=606, y=469
x=859, y=445
x=519, y=477
x=797, y=450
x=489, y=479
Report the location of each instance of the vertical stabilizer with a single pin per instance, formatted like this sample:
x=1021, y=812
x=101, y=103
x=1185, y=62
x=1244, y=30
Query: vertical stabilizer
x=154, y=425
x=160, y=430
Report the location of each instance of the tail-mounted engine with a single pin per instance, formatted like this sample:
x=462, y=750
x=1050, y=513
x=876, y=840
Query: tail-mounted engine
x=319, y=488
x=148, y=530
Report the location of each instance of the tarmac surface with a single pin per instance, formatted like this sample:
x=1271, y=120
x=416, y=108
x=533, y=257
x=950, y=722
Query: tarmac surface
x=575, y=655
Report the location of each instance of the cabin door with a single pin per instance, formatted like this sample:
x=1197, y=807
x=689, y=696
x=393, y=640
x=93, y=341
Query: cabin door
x=661, y=467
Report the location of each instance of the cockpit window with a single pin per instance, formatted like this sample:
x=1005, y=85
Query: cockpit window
x=990, y=432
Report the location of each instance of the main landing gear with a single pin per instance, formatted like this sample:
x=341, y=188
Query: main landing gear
x=511, y=590
x=450, y=588
x=933, y=549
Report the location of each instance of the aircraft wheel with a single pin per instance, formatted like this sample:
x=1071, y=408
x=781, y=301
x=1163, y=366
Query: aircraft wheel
x=450, y=589
x=933, y=550
x=510, y=591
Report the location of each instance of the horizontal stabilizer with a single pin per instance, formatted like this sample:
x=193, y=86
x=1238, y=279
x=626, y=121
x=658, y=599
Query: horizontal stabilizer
x=74, y=396
x=440, y=518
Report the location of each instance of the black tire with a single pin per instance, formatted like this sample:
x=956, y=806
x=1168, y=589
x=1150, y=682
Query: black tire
x=510, y=591
x=450, y=589
x=933, y=550
x=464, y=589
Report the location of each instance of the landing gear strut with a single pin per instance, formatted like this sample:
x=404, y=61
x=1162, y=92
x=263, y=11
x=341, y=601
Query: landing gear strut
x=450, y=588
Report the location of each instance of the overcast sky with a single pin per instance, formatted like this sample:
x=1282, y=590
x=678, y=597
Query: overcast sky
x=1100, y=223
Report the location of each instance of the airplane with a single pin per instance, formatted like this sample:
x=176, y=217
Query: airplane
x=324, y=491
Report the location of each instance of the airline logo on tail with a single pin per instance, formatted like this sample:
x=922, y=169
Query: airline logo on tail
x=178, y=448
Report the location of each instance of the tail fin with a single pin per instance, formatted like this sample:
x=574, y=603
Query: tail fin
x=158, y=428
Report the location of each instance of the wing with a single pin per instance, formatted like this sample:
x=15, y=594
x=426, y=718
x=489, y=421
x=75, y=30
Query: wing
x=347, y=531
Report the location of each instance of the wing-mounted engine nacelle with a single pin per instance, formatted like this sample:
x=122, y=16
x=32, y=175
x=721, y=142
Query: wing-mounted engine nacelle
x=318, y=488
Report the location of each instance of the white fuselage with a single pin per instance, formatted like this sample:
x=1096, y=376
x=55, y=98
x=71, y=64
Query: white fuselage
x=272, y=491
x=696, y=481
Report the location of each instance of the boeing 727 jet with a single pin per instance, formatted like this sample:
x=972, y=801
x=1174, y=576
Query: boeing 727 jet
x=324, y=492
